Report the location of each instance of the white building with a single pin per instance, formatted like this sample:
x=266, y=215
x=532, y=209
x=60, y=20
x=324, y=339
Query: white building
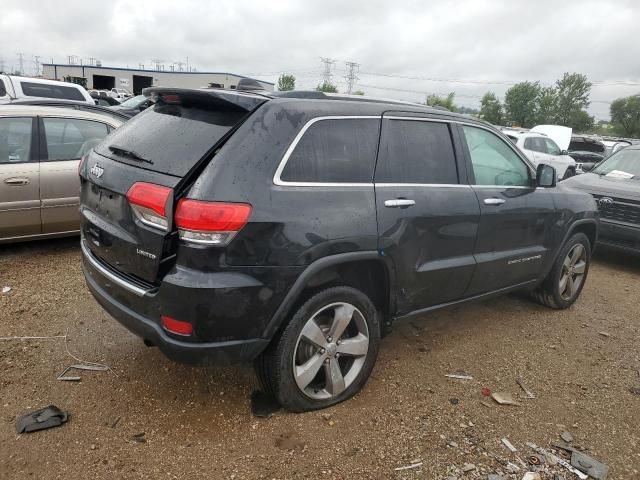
x=134, y=80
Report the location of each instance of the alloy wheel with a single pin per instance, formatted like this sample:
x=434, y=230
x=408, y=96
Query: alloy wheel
x=573, y=270
x=330, y=351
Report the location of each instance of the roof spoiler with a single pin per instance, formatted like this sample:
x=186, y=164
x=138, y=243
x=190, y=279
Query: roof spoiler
x=219, y=99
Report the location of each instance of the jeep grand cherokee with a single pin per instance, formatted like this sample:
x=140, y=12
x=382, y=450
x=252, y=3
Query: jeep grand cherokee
x=292, y=229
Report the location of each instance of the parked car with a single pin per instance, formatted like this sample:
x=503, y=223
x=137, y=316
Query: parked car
x=134, y=105
x=586, y=151
x=12, y=88
x=615, y=184
x=539, y=148
x=40, y=149
x=613, y=145
x=230, y=226
x=119, y=94
x=87, y=107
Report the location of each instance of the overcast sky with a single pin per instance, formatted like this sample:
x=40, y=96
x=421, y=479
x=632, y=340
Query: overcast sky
x=463, y=46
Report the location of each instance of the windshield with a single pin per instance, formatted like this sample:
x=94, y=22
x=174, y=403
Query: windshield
x=626, y=161
x=134, y=102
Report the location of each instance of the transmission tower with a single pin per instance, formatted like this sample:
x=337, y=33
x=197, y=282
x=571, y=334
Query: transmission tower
x=21, y=63
x=328, y=64
x=158, y=63
x=351, y=75
x=36, y=61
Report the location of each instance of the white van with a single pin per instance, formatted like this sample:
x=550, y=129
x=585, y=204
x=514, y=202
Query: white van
x=12, y=87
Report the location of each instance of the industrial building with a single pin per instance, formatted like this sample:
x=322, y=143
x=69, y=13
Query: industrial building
x=134, y=80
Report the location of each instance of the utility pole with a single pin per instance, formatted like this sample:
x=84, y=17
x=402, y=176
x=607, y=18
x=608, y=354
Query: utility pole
x=328, y=64
x=36, y=60
x=351, y=76
x=21, y=62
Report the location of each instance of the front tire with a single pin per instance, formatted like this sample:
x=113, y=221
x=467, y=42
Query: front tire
x=566, y=280
x=326, y=352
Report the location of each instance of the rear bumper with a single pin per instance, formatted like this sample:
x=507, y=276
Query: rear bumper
x=621, y=236
x=201, y=353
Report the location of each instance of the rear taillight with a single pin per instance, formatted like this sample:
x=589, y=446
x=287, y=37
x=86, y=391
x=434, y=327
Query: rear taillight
x=150, y=203
x=210, y=223
x=179, y=327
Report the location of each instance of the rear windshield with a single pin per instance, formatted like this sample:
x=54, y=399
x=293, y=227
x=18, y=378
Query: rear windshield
x=45, y=90
x=169, y=138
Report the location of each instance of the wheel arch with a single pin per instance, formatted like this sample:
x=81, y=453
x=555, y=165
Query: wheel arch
x=366, y=271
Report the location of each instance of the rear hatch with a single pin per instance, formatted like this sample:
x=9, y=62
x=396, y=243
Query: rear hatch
x=132, y=181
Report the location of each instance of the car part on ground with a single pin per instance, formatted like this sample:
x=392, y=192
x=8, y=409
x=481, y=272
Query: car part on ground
x=228, y=226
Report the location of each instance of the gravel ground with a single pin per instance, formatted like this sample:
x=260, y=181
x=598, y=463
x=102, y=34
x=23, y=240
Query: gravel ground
x=582, y=364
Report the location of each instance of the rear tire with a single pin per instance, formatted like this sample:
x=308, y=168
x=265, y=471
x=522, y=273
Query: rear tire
x=566, y=279
x=326, y=352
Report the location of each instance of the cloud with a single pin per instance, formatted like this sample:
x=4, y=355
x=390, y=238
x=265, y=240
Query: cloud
x=482, y=41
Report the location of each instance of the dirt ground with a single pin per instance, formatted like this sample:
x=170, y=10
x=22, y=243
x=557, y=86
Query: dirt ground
x=582, y=364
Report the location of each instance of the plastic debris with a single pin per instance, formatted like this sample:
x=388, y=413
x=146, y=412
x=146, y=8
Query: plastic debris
x=459, y=376
x=6, y=289
x=486, y=392
x=604, y=334
x=509, y=445
x=139, y=437
x=65, y=378
x=566, y=436
x=590, y=466
x=527, y=392
x=558, y=460
x=504, y=398
x=41, y=419
x=532, y=476
x=409, y=467
x=468, y=467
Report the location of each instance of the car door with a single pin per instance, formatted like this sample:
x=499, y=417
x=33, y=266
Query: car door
x=515, y=219
x=64, y=141
x=427, y=217
x=19, y=177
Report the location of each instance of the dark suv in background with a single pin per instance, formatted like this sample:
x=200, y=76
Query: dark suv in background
x=291, y=230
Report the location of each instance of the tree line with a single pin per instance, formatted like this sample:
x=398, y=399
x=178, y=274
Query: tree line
x=527, y=104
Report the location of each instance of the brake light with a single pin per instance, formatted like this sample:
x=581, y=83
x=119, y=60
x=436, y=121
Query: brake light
x=150, y=203
x=210, y=223
x=179, y=327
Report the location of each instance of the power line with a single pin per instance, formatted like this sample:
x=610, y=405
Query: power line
x=351, y=76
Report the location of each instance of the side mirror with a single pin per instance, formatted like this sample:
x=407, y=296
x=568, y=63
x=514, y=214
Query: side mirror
x=588, y=167
x=564, y=152
x=545, y=176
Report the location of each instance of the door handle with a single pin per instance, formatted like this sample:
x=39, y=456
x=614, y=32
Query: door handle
x=16, y=181
x=494, y=201
x=399, y=202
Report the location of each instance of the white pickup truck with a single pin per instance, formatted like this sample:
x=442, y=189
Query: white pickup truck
x=546, y=144
x=13, y=87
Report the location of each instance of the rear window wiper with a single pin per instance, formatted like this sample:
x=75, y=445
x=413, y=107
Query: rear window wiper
x=129, y=153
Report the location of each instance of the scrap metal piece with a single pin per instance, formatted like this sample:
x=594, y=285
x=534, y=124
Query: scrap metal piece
x=528, y=392
x=41, y=419
x=459, y=376
x=558, y=460
x=79, y=366
x=504, y=398
x=509, y=445
x=590, y=466
x=409, y=467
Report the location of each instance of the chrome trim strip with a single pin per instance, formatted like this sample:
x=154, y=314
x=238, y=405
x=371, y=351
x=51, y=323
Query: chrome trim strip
x=141, y=292
x=283, y=163
x=505, y=187
x=433, y=185
x=419, y=119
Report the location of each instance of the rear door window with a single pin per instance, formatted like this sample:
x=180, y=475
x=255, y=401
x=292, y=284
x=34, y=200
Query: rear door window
x=535, y=144
x=15, y=139
x=71, y=138
x=414, y=151
x=552, y=148
x=33, y=89
x=334, y=151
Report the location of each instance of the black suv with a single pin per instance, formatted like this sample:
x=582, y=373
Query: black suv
x=292, y=229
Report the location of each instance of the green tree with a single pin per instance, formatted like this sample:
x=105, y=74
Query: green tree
x=625, y=115
x=358, y=92
x=581, y=122
x=547, y=106
x=572, y=97
x=286, y=82
x=447, y=102
x=521, y=103
x=491, y=109
x=327, y=87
